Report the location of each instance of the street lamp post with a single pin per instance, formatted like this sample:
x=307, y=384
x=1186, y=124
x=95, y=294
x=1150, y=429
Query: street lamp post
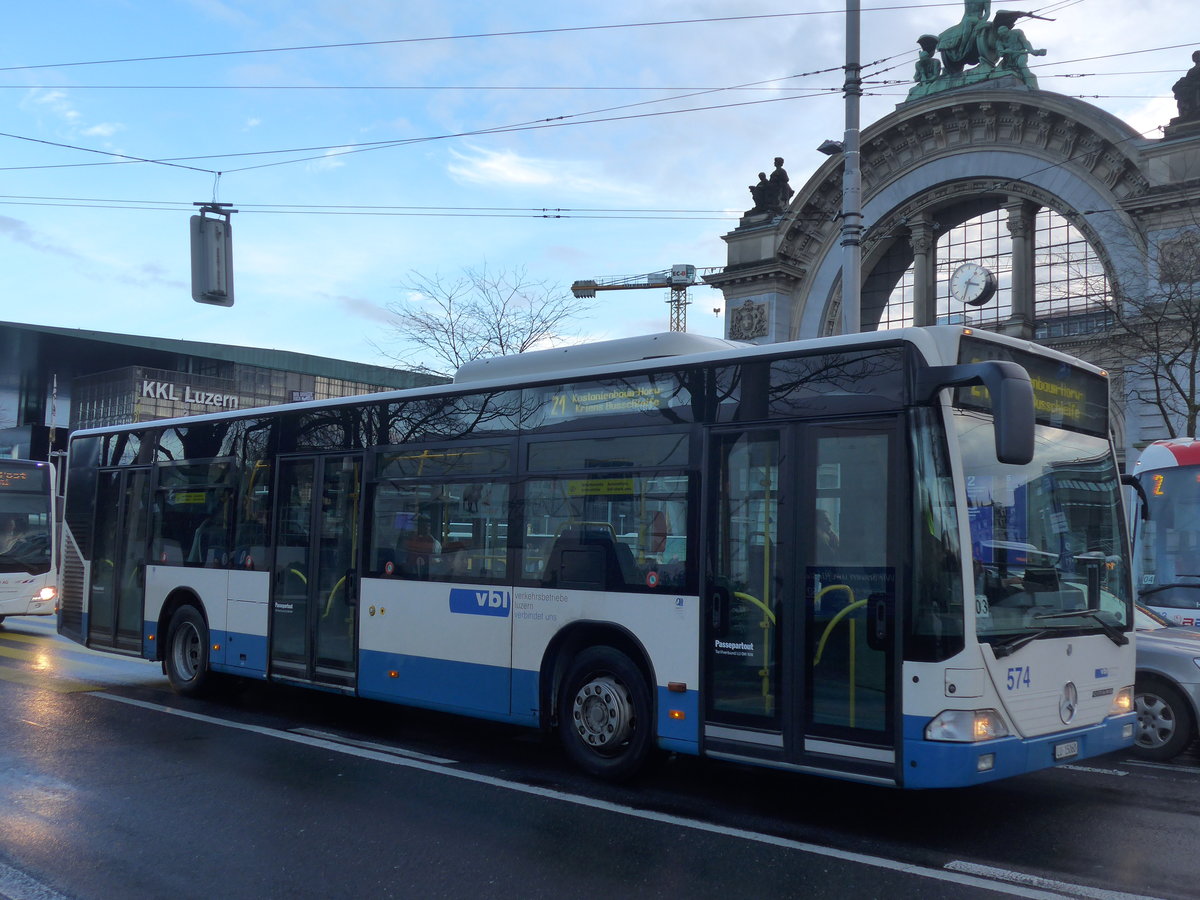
x=852, y=178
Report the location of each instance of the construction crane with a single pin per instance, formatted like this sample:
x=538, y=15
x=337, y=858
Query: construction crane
x=677, y=278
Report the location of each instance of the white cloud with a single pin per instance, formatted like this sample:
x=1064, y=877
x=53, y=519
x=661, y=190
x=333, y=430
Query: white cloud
x=506, y=168
x=104, y=129
x=329, y=161
x=55, y=102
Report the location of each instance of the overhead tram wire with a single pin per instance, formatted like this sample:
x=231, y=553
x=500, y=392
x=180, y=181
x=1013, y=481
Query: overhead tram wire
x=460, y=37
x=399, y=212
x=531, y=125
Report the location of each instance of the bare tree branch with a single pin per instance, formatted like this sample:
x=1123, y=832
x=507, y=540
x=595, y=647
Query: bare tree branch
x=1155, y=338
x=445, y=322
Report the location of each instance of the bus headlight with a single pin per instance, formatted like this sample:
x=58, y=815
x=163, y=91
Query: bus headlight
x=46, y=593
x=1122, y=702
x=966, y=725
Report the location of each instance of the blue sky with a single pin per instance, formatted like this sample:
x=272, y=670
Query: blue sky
x=90, y=240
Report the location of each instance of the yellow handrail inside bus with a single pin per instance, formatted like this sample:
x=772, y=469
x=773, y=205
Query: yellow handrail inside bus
x=845, y=611
x=767, y=623
x=332, y=593
x=849, y=607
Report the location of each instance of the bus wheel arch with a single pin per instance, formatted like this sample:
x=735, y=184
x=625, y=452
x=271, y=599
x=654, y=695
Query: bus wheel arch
x=601, y=696
x=184, y=651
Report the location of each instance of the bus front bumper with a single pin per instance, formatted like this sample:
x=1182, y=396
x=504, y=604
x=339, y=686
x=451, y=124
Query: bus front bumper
x=930, y=764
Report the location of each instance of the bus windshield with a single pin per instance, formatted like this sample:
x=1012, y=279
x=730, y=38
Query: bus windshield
x=1045, y=537
x=1169, y=549
x=25, y=523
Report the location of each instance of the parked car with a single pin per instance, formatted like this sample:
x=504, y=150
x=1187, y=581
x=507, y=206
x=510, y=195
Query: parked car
x=1167, y=691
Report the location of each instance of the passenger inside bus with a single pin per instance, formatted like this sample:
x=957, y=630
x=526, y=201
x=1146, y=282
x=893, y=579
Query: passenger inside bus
x=12, y=529
x=420, y=548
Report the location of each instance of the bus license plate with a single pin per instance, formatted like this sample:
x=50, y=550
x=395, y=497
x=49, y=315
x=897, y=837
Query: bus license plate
x=1066, y=750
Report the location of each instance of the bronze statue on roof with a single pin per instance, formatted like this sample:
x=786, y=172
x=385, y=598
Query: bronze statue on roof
x=980, y=48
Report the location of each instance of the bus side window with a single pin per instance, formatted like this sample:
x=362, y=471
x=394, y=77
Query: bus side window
x=609, y=532
x=439, y=531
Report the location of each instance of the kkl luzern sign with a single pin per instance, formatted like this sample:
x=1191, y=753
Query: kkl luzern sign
x=165, y=390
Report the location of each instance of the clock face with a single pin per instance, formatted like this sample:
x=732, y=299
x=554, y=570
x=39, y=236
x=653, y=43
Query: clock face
x=973, y=284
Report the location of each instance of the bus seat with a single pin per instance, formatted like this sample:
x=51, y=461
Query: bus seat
x=170, y=554
x=588, y=559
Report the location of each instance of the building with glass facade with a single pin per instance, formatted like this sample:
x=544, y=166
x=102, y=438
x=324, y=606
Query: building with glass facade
x=56, y=380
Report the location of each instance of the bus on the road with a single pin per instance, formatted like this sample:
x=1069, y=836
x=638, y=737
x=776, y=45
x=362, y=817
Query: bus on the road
x=28, y=532
x=896, y=558
x=1166, y=529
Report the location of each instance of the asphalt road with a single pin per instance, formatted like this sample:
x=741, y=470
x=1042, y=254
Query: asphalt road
x=111, y=786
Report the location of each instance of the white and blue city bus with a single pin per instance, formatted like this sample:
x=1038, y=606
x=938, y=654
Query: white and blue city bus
x=896, y=558
x=28, y=538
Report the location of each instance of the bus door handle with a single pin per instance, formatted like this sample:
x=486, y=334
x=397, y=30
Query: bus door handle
x=877, y=621
x=352, y=587
x=719, y=610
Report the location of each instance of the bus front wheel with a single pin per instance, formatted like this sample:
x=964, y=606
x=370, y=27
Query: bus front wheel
x=604, y=714
x=186, y=661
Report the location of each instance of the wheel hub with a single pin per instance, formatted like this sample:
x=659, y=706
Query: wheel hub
x=602, y=714
x=1156, y=725
x=187, y=650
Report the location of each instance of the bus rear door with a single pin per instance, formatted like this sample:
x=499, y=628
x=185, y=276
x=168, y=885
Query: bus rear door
x=117, y=596
x=314, y=588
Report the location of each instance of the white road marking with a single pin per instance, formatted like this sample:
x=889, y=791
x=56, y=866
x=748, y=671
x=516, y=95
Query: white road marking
x=371, y=745
x=1118, y=772
x=1187, y=770
x=1008, y=887
x=1049, y=884
x=16, y=885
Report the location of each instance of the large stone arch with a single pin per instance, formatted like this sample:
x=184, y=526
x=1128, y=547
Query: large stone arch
x=935, y=161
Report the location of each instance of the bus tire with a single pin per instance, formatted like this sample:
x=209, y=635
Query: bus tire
x=1165, y=723
x=605, y=714
x=186, y=660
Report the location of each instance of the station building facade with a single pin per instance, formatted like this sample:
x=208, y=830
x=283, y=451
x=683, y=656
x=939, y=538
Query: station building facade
x=988, y=202
x=57, y=380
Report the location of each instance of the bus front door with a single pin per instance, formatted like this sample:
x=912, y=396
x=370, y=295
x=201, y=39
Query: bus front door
x=314, y=589
x=800, y=593
x=117, y=596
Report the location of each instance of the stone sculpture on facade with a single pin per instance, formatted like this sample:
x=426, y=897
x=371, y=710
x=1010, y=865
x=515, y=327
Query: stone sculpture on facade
x=992, y=47
x=1187, y=98
x=771, y=195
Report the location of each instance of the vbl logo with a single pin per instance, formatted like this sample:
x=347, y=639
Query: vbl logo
x=480, y=603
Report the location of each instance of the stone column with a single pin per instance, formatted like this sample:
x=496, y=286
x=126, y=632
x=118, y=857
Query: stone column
x=924, y=247
x=1021, y=226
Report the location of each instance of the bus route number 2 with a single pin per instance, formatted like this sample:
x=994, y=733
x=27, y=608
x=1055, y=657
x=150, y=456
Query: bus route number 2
x=1018, y=677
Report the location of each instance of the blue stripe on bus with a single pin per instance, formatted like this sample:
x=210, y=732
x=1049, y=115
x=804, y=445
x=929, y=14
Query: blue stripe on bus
x=150, y=637
x=240, y=654
x=468, y=688
x=481, y=690
x=933, y=764
x=680, y=734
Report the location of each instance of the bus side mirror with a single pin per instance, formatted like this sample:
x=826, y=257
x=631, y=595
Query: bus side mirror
x=1132, y=481
x=1011, y=399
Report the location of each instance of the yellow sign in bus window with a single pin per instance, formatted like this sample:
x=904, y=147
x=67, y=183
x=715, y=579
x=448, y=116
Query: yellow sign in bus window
x=596, y=487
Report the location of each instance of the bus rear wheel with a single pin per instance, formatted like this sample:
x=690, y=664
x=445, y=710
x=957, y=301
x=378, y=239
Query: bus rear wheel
x=605, y=714
x=186, y=660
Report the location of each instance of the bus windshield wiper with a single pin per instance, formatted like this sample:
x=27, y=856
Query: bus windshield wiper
x=1115, y=635
x=1173, y=584
x=1015, y=643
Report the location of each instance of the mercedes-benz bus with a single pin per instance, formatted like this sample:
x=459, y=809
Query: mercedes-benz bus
x=896, y=558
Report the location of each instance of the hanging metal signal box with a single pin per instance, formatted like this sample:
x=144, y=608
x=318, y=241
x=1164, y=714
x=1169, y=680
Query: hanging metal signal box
x=212, y=260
